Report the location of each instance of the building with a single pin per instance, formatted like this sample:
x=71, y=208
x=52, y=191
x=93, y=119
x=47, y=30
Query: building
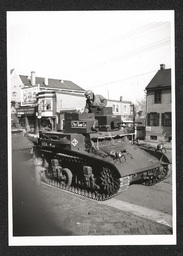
x=43, y=101
x=122, y=108
x=16, y=86
x=36, y=99
x=52, y=105
x=158, y=106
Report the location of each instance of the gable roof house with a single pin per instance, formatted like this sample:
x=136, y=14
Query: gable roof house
x=46, y=83
x=158, y=106
x=42, y=98
x=21, y=82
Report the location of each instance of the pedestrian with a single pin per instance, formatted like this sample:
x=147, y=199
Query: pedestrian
x=94, y=100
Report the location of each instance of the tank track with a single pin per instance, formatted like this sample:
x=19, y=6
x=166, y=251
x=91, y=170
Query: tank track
x=112, y=186
x=150, y=179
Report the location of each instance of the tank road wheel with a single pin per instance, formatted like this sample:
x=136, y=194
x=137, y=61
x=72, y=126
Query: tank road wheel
x=93, y=195
x=67, y=176
x=79, y=191
x=89, y=194
x=109, y=183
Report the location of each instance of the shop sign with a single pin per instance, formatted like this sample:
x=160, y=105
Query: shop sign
x=26, y=111
x=29, y=95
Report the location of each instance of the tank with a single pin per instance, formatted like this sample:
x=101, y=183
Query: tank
x=95, y=156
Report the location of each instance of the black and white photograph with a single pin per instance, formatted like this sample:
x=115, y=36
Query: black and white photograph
x=91, y=128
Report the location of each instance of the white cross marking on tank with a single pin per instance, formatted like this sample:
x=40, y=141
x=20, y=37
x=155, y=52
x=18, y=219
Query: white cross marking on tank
x=74, y=142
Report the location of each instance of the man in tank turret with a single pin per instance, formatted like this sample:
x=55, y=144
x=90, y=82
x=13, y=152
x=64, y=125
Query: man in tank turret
x=94, y=100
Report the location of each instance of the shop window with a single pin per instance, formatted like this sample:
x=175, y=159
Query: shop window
x=153, y=119
x=166, y=119
x=47, y=105
x=152, y=137
x=157, y=97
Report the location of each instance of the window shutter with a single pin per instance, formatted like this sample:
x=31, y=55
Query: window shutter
x=162, y=119
x=148, y=119
x=157, y=119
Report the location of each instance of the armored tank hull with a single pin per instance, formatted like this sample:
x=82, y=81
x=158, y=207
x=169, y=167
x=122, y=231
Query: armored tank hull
x=94, y=160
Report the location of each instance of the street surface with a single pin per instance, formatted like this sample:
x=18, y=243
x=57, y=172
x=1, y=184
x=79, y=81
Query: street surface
x=47, y=211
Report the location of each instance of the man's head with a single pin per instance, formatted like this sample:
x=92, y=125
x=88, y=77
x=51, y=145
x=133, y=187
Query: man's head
x=89, y=94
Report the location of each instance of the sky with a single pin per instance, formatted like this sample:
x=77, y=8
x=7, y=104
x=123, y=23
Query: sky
x=113, y=53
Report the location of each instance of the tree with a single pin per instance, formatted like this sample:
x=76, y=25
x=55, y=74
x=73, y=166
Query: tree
x=140, y=107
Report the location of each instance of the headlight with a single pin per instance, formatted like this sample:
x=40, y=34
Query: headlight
x=113, y=153
x=119, y=154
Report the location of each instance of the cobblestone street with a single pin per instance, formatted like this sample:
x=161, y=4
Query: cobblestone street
x=47, y=211
x=82, y=216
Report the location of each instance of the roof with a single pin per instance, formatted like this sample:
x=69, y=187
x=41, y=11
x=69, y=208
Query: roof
x=161, y=79
x=11, y=71
x=52, y=83
x=120, y=101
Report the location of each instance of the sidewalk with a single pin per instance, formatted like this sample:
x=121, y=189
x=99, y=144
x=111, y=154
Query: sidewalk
x=82, y=216
x=167, y=145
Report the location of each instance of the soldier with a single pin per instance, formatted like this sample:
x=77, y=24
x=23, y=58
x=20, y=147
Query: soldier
x=94, y=100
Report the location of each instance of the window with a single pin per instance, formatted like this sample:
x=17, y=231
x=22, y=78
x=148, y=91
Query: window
x=125, y=109
x=153, y=119
x=14, y=94
x=166, y=119
x=117, y=108
x=152, y=137
x=157, y=97
x=47, y=104
x=113, y=108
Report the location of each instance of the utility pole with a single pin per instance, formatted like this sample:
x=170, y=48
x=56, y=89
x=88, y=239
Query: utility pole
x=133, y=118
x=133, y=122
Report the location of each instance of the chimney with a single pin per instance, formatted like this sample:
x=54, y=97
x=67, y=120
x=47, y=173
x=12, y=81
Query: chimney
x=162, y=66
x=46, y=80
x=33, y=78
x=121, y=98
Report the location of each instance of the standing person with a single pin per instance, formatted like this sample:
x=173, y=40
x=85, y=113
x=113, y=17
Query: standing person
x=94, y=100
x=14, y=118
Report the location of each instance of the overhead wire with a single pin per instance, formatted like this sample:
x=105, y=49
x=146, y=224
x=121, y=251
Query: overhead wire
x=124, y=79
x=127, y=35
x=133, y=53
x=127, y=78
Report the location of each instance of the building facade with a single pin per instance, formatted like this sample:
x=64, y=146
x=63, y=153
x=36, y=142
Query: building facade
x=158, y=107
x=37, y=101
x=16, y=86
x=122, y=108
x=42, y=102
x=52, y=105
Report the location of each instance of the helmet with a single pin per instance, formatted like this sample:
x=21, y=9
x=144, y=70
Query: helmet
x=88, y=93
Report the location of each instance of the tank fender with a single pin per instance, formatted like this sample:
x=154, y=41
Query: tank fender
x=164, y=158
